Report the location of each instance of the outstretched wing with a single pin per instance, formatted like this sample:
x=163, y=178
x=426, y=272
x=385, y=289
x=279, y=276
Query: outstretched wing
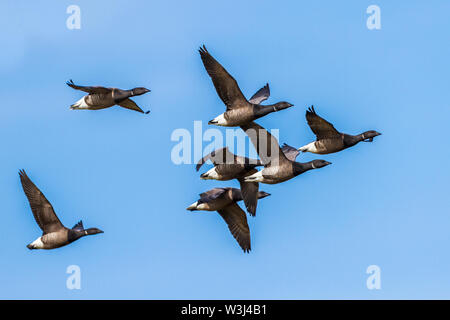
x=226, y=86
x=321, y=127
x=236, y=220
x=249, y=191
x=265, y=144
x=130, y=104
x=260, y=95
x=42, y=210
x=218, y=156
x=87, y=89
x=290, y=152
x=212, y=194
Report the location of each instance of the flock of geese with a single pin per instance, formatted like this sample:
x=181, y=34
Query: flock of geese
x=278, y=163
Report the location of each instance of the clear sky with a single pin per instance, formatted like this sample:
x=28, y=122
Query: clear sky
x=384, y=203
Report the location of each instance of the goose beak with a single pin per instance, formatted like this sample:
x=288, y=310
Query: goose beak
x=212, y=121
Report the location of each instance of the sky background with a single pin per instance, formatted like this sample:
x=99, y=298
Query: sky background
x=384, y=203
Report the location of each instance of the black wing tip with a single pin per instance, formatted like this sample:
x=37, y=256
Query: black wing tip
x=251, y=209
x=70, y=83
x=22, y=173
x=311, y=110
x=246, y=250
x=147, y=112
x=203, y=50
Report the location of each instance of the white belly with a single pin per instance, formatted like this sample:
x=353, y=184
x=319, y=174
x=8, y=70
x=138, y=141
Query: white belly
x=220, y=120
x=37, y=244
x=256, y=177
x=310, y=147
x=80, y=104
x=211, y=174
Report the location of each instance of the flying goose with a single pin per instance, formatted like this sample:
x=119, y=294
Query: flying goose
x=239, y=110
x=54, y=235
x=278, y=166
x=330, y=140
x=223, y=200
x=228, y=166
x=101, y=98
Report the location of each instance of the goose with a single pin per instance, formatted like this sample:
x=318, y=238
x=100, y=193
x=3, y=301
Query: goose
x=223, y=200
x=228, y=166
x=239, y=110
x=101, y=98
x=278, y=167
x=54, y=235
x=329, y=140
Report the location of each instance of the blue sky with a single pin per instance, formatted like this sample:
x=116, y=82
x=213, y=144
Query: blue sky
x=384, y=203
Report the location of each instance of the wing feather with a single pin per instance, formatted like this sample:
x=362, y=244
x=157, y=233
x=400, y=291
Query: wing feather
x=321, y=128
x=236, y=220
x=226, y=86
x=42, y=209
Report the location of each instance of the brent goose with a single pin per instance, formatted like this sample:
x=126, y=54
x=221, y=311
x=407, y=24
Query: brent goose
x=101, y=98
x=223, y=200
x=54, y=235
x=330, y=140
x=277, y=166
x=239, y=110
x=228, y=166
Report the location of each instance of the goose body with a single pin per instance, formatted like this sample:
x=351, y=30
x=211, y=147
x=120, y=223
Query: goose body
x=224, y=201
x=101, y=98
x=329, y=140
x=55, y=234
x=279, y=163
x=239, y=110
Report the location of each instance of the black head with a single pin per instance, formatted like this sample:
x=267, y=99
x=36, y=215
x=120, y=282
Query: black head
x=140, y=90
x=316, y=164
x=92, y=231
x=282, y=105
x=369, y=135
x=262, y=194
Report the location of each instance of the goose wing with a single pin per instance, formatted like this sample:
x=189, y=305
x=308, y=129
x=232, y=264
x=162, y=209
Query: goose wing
x=88, y=89
x=218, y=156
x=290, y=152
x=321, y=127
x=42, y=209
x=226, y=86
x=130, y=104
x=260, y=95
x=236, y=220
x=265, y=144
x=212, y=194
x=249, y=191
